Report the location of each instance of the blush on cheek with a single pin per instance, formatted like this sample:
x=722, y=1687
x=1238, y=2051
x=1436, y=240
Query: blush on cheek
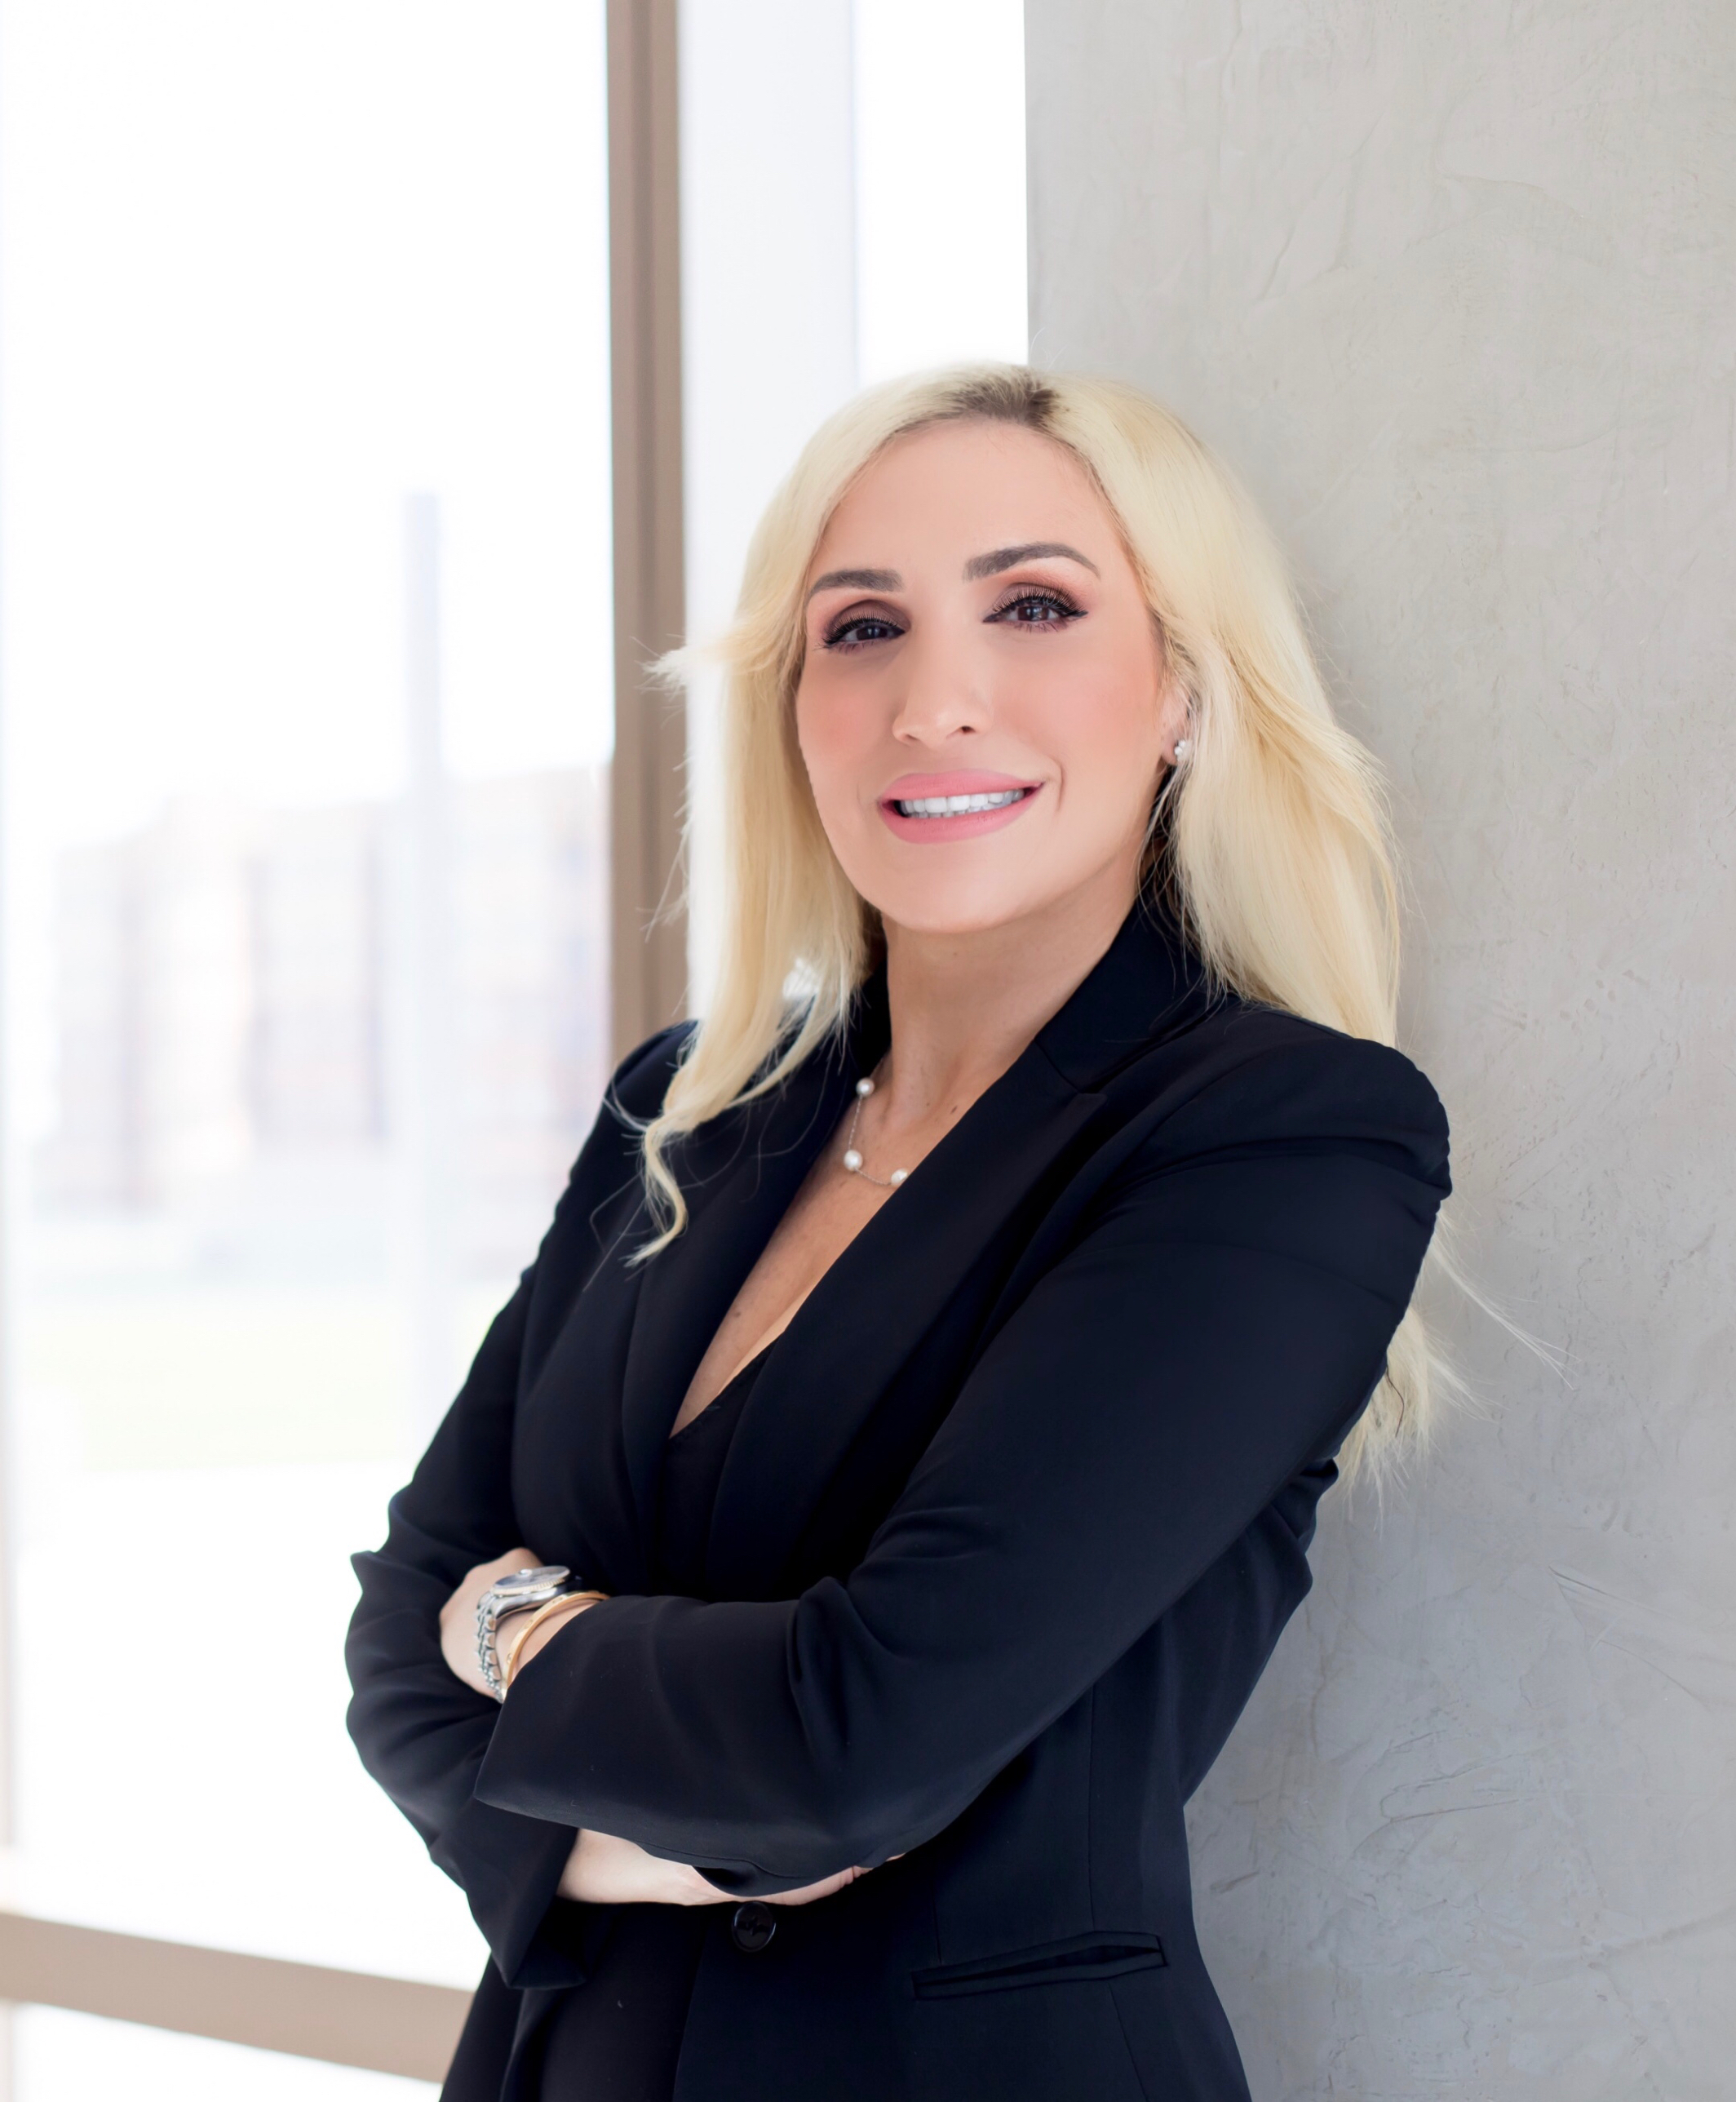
x=836, y=753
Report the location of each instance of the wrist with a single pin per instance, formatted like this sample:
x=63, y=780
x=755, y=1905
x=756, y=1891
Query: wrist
x=508, y=1594
x=518, y=1646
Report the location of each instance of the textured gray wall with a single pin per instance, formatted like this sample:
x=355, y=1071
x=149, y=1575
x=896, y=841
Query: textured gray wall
x=1452, y=285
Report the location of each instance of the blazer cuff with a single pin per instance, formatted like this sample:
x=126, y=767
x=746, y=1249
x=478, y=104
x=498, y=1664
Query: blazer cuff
x=509, y=1866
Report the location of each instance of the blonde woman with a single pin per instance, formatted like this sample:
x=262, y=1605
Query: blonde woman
x=917, y=1411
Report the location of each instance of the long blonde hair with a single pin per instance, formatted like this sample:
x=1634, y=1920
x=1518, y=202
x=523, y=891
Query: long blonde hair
x=1271, y=843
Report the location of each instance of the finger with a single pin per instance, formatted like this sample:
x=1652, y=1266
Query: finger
x=809, y=1892
x=515, y=1558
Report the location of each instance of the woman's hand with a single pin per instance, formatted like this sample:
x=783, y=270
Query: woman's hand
x=457, y=1616
x=602, y=1869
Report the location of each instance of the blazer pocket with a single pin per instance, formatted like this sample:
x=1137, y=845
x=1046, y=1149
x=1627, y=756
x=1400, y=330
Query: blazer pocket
x=1107, y=1954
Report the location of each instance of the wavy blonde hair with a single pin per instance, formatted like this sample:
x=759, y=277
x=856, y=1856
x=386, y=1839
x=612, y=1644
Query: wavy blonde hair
x=1272, y=843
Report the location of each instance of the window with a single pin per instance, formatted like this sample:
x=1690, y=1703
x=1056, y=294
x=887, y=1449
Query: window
x=308, y=695
x=306, y=698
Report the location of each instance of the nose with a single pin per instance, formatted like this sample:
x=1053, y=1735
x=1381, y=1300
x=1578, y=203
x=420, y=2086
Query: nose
x=946, y=691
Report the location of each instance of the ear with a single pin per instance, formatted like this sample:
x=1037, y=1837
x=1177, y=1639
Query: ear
x=1175, y=712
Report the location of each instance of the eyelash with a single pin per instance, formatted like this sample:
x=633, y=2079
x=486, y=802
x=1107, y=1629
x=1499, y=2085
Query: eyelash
x=836, y=637
x=1042, y=595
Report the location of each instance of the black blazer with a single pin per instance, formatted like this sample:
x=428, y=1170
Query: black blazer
x=1015, y=1514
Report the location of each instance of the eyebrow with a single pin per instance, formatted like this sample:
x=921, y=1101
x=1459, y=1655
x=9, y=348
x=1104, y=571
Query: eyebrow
x=1033, y=550
x=856, y=580
x=979, y=566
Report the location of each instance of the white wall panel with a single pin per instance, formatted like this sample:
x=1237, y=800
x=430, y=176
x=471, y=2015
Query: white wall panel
x=1451, y=287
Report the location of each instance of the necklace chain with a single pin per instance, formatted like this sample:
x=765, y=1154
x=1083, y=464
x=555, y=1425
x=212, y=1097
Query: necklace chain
x=853, y=1159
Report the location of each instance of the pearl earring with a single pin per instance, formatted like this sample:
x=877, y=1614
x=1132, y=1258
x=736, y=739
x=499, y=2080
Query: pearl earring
x=1184, y=746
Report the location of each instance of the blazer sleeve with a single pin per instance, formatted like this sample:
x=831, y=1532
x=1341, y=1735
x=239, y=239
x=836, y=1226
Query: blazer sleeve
x=1218, y=1322
x=421, y=1732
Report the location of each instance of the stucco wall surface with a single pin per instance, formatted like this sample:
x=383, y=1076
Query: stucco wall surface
x=1454, y=287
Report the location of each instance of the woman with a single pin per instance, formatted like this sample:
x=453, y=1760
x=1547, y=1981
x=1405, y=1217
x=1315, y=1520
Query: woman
x=937, y=1371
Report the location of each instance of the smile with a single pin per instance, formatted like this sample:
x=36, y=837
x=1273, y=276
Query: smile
x=956, y=806
x=937, y=809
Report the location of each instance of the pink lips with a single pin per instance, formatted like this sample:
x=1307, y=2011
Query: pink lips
x=932, y=832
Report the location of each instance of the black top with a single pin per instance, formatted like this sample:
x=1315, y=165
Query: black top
x=687, y=1492
x=618, y=2037
x=1010, y=1522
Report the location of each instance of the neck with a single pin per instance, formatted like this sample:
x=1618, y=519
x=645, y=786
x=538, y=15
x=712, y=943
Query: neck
x=963, y=1006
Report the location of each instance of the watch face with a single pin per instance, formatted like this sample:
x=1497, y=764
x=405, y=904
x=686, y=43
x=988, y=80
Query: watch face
x=532, y=1580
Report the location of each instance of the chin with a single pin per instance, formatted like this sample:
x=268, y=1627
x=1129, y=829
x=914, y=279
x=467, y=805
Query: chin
x=961, y=913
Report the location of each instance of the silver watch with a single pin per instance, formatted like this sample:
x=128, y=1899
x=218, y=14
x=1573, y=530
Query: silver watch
x=517, y=1593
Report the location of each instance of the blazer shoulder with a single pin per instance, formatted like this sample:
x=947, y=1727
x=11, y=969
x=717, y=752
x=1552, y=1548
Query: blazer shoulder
x=640, y=1083
x=1272, y=1076
x=586, y=1215
x=633, y=1096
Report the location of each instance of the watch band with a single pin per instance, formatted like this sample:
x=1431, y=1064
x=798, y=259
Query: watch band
x=517, y=1592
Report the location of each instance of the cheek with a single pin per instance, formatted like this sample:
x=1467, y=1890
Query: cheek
x=832, y=735
x=1099, y=716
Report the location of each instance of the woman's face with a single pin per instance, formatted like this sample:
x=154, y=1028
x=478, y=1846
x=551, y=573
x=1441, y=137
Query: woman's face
x=975, y=630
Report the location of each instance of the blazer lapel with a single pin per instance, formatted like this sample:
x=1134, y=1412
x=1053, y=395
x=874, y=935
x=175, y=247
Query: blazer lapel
x=739, y=1178
x=872, y=1309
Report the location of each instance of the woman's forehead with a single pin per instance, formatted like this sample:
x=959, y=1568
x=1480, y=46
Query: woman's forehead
x=944, y=487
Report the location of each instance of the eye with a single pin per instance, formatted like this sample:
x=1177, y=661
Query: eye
x=1036, y=605
x=854, y=629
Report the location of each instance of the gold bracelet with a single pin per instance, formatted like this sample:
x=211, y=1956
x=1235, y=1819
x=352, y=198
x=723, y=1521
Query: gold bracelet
x=536, y=1620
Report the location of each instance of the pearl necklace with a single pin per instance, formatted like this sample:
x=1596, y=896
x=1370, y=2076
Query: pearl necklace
x=853, y=1160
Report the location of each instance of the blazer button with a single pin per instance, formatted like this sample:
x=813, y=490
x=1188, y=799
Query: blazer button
x=753, y=1927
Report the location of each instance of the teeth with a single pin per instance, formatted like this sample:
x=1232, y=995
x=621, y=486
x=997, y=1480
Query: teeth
x=954, y=806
